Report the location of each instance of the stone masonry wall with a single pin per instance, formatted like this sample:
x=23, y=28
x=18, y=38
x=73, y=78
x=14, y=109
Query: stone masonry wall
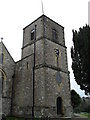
x=51, y=55
x=22, y=103
x=49, y=26
x=27, y=35
x=8, y=70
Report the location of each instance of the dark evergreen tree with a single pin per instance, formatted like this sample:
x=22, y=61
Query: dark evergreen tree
x=80, y=54
x=75, y=99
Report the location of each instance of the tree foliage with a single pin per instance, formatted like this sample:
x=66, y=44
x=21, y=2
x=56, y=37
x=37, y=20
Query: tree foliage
x=75, y=99
x=80, y=54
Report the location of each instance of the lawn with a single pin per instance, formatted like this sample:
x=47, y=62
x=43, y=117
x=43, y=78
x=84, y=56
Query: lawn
x=14, y=118
x=86, y=114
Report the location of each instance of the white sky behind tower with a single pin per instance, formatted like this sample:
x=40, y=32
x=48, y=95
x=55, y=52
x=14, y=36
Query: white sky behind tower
x=16, y=14
x=89, y=13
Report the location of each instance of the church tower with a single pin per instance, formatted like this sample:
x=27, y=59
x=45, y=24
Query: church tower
x=42, y=85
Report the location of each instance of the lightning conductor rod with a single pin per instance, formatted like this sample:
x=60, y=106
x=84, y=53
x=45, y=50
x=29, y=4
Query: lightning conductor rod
x=34, y=57
x=42, y=7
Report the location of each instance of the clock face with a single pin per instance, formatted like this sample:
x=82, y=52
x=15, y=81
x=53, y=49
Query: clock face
x=58, y=77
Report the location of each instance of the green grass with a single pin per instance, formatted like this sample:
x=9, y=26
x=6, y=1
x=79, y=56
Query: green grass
x=86, y=114
x=14, y=118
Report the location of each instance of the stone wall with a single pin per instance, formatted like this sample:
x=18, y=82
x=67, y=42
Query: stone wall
x=51, y=58
x=27, y=36
x=7, y=70
x=22, y=99
x=49, y=26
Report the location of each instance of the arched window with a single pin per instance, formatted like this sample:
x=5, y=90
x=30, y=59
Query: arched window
x=3, y=89
x=32, y=34
x=59, y=105
x=1, y=83
x=54, y=34
x=1, y=58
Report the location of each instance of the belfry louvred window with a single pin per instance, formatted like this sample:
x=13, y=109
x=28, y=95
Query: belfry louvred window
x=54, y=34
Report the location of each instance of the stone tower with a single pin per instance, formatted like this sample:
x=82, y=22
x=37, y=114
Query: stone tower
x=37, y=85
x=41, y=83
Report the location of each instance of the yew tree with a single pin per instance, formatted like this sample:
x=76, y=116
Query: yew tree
x=80, y=54
x=75, y=99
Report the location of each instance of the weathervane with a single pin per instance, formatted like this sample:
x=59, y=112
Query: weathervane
x=42, y=7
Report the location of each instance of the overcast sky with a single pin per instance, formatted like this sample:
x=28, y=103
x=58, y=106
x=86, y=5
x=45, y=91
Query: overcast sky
x=16, y=14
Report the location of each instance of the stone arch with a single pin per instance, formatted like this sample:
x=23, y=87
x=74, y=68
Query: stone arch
x=1, y=58
x=3, y=73
x=59, y=105
x=3, y=77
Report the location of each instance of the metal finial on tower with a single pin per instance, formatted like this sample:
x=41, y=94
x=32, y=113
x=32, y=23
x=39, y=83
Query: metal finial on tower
x=42, y=7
